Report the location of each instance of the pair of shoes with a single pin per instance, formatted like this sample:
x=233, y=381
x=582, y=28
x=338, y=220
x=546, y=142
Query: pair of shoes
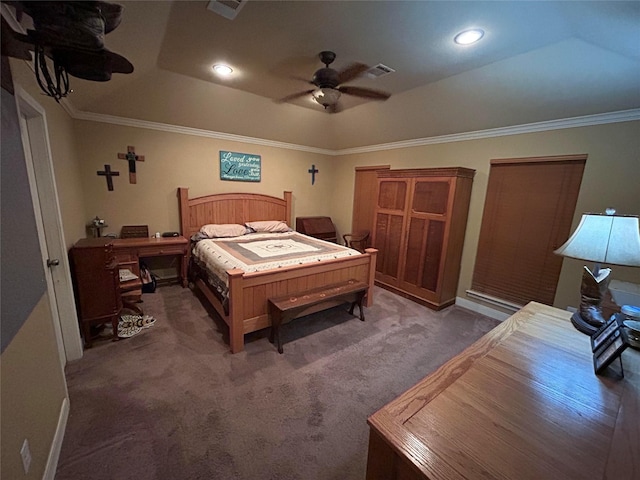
x=130, y=325
x=146, y=321
x=127, y=327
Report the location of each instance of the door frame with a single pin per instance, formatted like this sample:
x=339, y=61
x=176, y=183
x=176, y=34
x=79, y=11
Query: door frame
x=44, y=195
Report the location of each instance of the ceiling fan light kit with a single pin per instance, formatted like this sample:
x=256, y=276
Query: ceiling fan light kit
x=329, y=84
x=326, y=97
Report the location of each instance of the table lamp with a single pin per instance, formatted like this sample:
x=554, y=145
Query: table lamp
x=600, y=238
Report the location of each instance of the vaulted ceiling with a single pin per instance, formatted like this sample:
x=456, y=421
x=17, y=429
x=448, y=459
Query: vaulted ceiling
x=538, y=61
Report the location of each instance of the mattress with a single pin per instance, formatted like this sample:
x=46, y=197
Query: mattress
x=258, y=252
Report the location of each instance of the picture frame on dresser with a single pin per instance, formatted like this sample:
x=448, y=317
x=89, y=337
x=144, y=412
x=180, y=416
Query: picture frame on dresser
x=604, y=332
x=611, y=349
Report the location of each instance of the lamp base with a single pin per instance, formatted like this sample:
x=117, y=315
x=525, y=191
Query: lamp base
x=581, y=325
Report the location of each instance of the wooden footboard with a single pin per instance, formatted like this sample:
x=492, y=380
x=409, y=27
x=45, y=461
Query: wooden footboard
x=249, y=292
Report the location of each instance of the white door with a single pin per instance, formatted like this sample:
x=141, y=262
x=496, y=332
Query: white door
x=35, y=139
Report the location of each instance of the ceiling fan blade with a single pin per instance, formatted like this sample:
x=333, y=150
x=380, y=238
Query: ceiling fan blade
x=365, y=92
x=351, y=72
x=294, y=96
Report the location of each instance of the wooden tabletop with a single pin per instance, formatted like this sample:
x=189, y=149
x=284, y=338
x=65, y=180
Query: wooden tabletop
x=521, y=403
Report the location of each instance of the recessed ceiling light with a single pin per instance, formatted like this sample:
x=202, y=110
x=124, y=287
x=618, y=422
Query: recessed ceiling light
x=469, y=36
x=223, y=70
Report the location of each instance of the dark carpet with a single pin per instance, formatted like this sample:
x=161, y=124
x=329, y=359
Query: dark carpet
x=173, y=403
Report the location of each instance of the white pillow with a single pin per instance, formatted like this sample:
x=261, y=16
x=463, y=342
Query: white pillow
x=221, y=230
x=271, y=226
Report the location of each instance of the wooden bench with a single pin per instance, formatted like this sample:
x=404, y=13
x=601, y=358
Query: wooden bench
x=285, y=308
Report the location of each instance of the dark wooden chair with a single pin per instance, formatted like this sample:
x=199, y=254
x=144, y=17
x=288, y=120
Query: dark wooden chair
x=357, y=240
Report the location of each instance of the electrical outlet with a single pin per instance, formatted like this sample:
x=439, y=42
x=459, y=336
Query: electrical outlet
x=25, y=453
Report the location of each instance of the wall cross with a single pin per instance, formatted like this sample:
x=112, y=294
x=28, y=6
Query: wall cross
x=313, y=170
x=108, y=173
x=132, y=158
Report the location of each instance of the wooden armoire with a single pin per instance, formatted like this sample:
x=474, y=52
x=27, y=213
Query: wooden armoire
x=420, y=220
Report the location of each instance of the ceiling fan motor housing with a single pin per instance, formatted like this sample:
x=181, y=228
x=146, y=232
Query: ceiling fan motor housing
x=325, y=78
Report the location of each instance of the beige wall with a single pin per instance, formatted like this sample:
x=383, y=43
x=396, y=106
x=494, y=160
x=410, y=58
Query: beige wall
x=175, y=160
x=33, y=391
x=611, y=178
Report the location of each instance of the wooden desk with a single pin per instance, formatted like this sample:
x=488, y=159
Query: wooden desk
x=129, y=251
x=318, y=227
x=522, y=402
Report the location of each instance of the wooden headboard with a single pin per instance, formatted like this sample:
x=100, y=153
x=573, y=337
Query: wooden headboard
x=230, y=208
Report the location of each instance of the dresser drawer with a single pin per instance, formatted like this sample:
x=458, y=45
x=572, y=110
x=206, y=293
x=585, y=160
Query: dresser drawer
x=126, y=255
x=158, y=250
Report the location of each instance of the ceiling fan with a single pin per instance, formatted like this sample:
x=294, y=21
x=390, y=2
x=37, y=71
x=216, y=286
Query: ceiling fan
x=329, y=84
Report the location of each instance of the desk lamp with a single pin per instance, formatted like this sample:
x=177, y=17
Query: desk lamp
x=600, y=238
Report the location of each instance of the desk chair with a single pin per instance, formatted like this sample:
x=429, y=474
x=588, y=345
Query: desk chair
x=357, y=240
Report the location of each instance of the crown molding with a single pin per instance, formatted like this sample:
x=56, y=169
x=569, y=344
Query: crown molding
x=132, y=122
x=574, y=122
x=584, y=121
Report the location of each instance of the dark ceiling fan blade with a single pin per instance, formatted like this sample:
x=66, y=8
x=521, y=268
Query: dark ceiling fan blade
x=294, y=96
x=351, y=72
x=365, y=92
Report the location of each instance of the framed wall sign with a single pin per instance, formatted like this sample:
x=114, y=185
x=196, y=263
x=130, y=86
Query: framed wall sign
x=242, y=167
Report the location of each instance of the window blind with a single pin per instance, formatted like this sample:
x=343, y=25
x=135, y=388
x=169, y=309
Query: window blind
x=528, y=211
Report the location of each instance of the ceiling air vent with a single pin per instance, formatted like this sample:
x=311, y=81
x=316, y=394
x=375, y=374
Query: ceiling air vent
x=378, y=71
x=227, y=8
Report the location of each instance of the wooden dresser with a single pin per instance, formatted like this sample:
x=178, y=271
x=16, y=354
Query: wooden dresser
x=96, y=284
x=522, y=402
x=318, y=227
x=420, y=219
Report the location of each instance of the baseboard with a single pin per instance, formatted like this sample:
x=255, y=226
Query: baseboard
x=56, y=445
x=482, y=309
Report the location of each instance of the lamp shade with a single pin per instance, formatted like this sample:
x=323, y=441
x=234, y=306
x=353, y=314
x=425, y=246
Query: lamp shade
x=609, y=239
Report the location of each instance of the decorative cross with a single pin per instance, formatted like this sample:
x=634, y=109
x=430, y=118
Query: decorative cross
x=132, y=158
x=108, y=173
x=313, y=170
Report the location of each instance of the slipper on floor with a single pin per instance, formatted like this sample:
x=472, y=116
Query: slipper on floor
x=127, y=329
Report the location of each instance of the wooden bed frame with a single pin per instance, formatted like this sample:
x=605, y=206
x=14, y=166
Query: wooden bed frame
x=249, y=292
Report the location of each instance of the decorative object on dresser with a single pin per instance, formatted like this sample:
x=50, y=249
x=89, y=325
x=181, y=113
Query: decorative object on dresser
x=521, y=402
x=600, y=238
x=132, y=158
x=245, y=307
x=420, y=220
x=96, y=226
x=318, y=227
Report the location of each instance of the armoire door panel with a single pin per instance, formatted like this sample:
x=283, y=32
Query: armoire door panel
x=392, y=195
x=388, y=237
x=424, y=247
x=430, y=197
x=434, y=248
